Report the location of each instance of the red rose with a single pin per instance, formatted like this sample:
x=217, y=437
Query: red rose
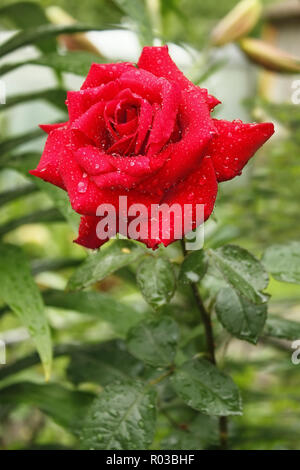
x=143, y=132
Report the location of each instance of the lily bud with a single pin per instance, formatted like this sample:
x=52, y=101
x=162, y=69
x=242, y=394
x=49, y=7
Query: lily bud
x=237, y=23
x=74, y=42
x=270, y=57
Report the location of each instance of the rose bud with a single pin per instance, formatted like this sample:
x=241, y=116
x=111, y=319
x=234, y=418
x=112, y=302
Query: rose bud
x=269, y=57
x=237, y=23
x=145, y=132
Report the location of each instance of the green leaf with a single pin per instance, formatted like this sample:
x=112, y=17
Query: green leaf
x=76, y=62
x=136, y=10
x=12, y=194
x=34, y=35
x=19, y=291
x=205, y=388
x=55, y=96
x=282, y=328
x=38, y=217
x=21, y=162
x=283, y=261
x=154, y=341
x=102, y=364
x=11, y=143
x=23, y=15
x=202, y=434
x=66, y=407
x=193, y=267
x=120, y=316
x=240, y=317
x=61, y=201
x=106, y=261
x=122, y=417
x=156, y=279
x=242, y=271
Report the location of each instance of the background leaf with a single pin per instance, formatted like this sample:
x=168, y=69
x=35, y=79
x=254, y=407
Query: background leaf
x=66, y=407
x=205, y=388
x=283, y=261
x=282, y=328
x=120, y=316
x=102, y=364
x=19, y=291
x=76, y=62
x=154, y=341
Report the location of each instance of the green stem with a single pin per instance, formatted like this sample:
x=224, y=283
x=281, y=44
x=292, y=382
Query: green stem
x=210, y=345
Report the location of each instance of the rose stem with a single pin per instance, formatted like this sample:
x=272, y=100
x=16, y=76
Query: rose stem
x=210, y=344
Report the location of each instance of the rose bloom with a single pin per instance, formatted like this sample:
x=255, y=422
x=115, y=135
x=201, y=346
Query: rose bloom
x=143, y=131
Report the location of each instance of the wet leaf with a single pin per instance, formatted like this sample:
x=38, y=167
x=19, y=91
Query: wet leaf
x=154, y=341
x=122, y=417
x=156, y=280
x=205, y=388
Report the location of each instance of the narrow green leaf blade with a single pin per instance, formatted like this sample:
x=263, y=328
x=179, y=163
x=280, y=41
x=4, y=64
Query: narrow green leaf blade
x=55, y=96
x=242, y=271
x=11, y=143
x=154, y=341
x=24, y=15
x=136, y=10
x=76, y=62
x=106, y=261
x=120, y=316
x=240, y=317
x=156, y=280
x=32, y=36
x=122, y=417
x=283, y=261
x=61, y=201
x=205, y=388
x=19, y=291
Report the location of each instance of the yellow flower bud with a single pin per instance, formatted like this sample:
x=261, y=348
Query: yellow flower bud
x=237, y=23
x=269, y=57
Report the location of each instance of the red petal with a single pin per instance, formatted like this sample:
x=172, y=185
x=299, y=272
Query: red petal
x=92, y=124
x=79, y=102
x=235, y=144
x=87, y=236
x=51, y=127
x=48, y=167
x=157, y=61
x=199, y=188
x=104, y=73
x=135, y=166
x=115, y=179
x=182, y=157
x=92, y=160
